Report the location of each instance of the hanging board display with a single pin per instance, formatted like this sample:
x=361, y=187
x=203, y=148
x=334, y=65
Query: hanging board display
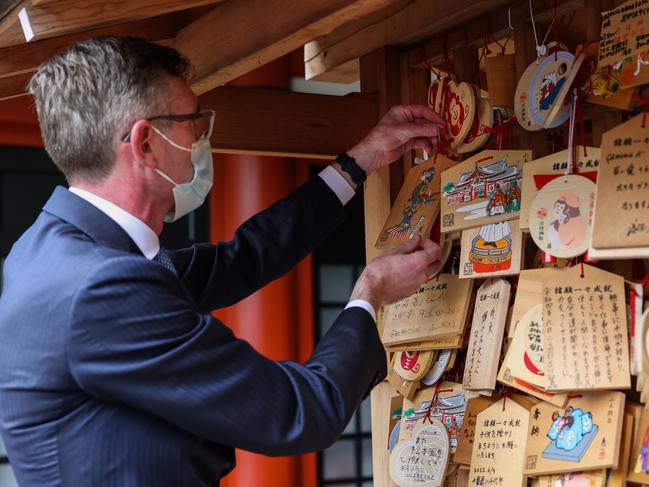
x=622, y=206
x=437, y=310
x=584, y=436
x=499, y=449
x=486, y=335
x=560, y=217
x=539, y=172
x=585, y=331
x=482, y=189
x=417, y=205
x=495, y=249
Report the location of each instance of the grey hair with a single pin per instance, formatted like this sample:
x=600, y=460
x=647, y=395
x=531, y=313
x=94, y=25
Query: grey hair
x=89, y=95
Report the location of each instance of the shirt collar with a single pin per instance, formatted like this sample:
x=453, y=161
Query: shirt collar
x=143, y=236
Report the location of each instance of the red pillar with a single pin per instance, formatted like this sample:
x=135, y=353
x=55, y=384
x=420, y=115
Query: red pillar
x=275, y=320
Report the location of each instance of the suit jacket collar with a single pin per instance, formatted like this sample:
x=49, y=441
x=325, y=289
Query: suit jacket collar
x=89, y=219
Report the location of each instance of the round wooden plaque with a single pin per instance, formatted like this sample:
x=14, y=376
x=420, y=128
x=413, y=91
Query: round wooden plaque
x=413, y=366
x=459, y=110
x=522, y=98
x=484, y=119
x=561, y=216
x=545, y=86
x=421, y=461
x=558, y=105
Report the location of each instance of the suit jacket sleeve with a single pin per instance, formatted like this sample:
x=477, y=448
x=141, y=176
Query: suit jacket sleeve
x=264, y=248
x=136, y=337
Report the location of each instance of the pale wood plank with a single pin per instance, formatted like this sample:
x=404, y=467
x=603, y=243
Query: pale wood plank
x=415, y=22
x=51, y=19
x=239, y=36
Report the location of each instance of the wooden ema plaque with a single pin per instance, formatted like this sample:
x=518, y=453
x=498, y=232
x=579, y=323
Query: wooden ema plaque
x=526, y=349
x=622, y=204
x=491, y=250
x=595, y=478
x=539, y=172
x=618, y=476
x=444, y=402
x=466, y=438
x=421, y=461
x=483, y=121
x=605, y=83
x=413, y=365
x=417, y=204
x=560, y=217
x=483, y=189
x=438, y=310
x=583, y=436
x=459, y=111
x=499, y=448
x=522, y=99
x=518, y=370
x=635, y=70
x=546, y=84
x=585, y=331
x=501, y=80
x=486, y=335
x=639, y=461
x=624, y=32
x=407, y=388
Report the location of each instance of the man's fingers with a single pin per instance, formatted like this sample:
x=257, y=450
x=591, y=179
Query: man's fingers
x=423, y=111
x=434, y=269
x=433, y=250
x=409, y=131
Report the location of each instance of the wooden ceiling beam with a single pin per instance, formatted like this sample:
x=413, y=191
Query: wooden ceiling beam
x=415, y=22
x=431, y=51
x=17, y=61
x=284, y=123
x=237, y=37
x=43, y=20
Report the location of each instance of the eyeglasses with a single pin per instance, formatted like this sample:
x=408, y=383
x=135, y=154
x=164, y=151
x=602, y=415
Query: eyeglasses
x=203, y=123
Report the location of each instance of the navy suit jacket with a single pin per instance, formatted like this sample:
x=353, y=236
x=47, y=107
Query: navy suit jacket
x=112, y=372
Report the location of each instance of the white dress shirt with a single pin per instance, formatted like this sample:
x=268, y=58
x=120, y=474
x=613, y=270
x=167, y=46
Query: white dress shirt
x=149, y=243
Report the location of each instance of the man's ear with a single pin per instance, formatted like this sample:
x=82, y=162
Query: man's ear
x=140, y=140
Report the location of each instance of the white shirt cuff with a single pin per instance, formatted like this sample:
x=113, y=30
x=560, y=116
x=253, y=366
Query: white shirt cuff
x=361, y=303
x=338, y=184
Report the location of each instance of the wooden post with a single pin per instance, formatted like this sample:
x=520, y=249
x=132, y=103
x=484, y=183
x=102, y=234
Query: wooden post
x=414, y=90
x=380, y=75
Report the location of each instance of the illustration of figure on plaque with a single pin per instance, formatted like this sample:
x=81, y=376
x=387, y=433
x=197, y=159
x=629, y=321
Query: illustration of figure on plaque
x=491, y=249
x=422, y=195
x=550, y=88
x=570, y=435
x=569, y=228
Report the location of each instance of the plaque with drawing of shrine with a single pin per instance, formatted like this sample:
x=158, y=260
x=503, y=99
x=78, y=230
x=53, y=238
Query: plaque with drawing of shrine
x=484, y=189
x=417, y=204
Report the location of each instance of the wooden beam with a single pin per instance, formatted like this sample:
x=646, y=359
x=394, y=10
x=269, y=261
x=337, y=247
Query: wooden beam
x=431, y=51
x=50, y=19
x=348, y=72
x=418, y=20
x=237, y=37
x=276, y=122
x=18, y=60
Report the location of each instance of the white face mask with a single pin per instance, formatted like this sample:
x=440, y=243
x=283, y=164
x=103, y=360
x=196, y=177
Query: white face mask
x=189, y=196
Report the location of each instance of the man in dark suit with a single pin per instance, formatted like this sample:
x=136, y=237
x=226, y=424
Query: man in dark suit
x=112, y=370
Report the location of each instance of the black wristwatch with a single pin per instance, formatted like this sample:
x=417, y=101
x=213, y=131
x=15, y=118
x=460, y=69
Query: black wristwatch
x=348, y=164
